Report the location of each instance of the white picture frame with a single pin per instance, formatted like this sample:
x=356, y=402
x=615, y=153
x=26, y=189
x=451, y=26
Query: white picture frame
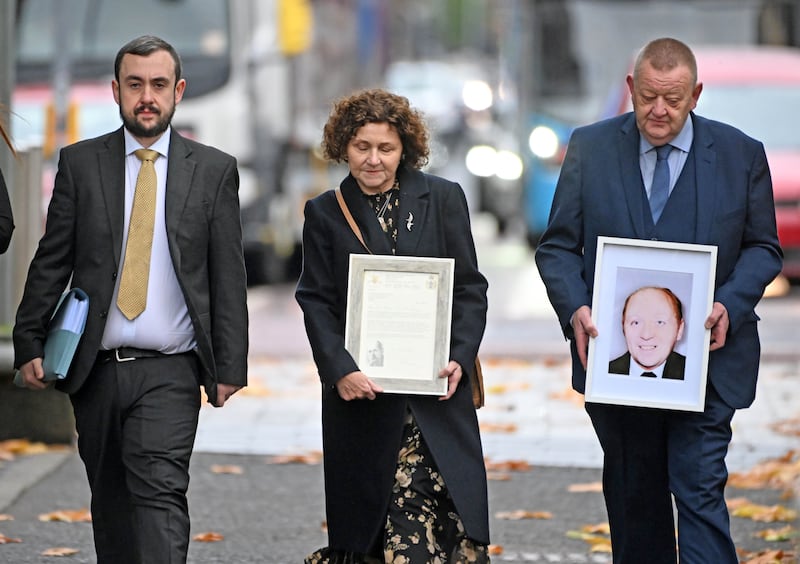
x=398, y=323
x=624, y=266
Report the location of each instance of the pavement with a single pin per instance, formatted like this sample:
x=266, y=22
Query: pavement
x=257, y=480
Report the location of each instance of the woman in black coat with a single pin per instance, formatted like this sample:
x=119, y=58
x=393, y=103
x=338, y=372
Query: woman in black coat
x=405, y=479
x=6, y=217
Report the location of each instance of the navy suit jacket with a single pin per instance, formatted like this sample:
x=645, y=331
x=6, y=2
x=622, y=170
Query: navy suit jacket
x=83, y=241
x=600, y=193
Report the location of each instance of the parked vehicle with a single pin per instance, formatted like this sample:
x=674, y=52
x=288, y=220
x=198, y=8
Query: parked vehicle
x=547, y=144
x=757, y=89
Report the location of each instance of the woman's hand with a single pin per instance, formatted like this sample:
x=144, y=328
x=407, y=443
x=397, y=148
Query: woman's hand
x=356, y=385
x=453, y=374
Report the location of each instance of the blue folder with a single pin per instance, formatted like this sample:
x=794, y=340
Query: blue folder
x=63, y=335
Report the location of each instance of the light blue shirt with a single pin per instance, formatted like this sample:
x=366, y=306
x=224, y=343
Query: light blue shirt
x=165, y=324
x=677, y=157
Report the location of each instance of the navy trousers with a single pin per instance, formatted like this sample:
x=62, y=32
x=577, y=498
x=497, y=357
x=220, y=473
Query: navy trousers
x=651, y=455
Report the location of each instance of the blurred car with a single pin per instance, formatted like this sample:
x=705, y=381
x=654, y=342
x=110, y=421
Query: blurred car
x=547, y=144
x=757, y=89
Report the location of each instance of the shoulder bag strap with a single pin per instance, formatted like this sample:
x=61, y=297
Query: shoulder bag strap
x=349, y=217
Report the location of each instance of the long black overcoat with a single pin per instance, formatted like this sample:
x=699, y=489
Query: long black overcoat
x=361, y=439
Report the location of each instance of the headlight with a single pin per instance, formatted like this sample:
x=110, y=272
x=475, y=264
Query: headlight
x=477, y=95
x=508, y=165
x=543, y=142
x=485, y=161
x=480, y=160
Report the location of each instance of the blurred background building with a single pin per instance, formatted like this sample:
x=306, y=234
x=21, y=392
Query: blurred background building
x=502, y=83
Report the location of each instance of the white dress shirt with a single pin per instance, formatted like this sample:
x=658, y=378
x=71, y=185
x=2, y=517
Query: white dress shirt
x=165, y=324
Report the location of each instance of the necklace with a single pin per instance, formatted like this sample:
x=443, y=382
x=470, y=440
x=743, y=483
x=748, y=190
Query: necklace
x=383, y=209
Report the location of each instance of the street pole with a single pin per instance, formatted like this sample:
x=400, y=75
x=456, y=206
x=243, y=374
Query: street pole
x=7, y=18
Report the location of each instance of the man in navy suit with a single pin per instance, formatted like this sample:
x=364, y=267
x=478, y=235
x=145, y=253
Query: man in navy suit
x=652, y=322
x=720, y=193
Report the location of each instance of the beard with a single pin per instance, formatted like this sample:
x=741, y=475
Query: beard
x=138, y=130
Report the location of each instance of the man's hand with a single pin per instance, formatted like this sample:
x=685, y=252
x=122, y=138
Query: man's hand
x=224, y=392
x=718, y=322
x=356, y=385
x=583, y=328
x=33, y=374
x=453, y=374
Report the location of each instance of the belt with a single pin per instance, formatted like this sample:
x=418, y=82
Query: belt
x=125, y=354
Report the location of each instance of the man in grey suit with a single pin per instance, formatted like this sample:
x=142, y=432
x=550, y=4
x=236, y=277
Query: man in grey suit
x=717, y=191
x=135, y=380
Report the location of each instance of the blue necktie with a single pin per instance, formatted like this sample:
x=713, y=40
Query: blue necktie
x=659, y=190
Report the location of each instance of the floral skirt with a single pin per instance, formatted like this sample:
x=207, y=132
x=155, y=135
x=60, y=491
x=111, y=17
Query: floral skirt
x=422, y=525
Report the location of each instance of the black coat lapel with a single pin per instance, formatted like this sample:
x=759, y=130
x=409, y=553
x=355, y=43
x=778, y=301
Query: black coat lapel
x=374, y=237
x=180, y=171
x=414, y=200
x=111, y=162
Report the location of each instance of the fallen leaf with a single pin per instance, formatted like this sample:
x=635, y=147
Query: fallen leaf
x=208, y=537
x=68, y=516
x=226, y=469
x=597, y=529
x=498, y=427
x=594, y=487
x=770, y=557
x=778, y=535
x=308, y=458
x=498, y=476
x=495, y=362
x=6, y=517
x=787, y=427
x=568, y=394
x=7, y=540
x=597, y=543
x=552, y=361
x=255, y=390
x=764, y=513
x=495, y=550
x=60, y=551
x=523, y=514
x=507, y=387
x=777, y=473
x=507, y=466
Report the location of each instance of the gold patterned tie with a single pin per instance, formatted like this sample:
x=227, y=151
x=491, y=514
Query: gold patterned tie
x=132, y=296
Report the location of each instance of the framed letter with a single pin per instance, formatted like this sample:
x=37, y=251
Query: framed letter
x=398, y=320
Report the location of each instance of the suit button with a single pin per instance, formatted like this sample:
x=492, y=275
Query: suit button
x=114, y=276
x=104, y=314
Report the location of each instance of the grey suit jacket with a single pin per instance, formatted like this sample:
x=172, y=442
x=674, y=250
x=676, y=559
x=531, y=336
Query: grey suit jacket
x=83, y=241
x=600, y=193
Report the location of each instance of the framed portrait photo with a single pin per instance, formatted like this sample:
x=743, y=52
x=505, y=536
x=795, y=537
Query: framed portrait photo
x=399, y=319
x=650, y=303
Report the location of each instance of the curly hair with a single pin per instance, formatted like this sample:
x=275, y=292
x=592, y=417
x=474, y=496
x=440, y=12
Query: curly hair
x=352, y=112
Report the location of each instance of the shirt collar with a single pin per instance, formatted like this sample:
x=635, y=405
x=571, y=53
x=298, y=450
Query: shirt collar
x=682, y=141
x=161, y=145
x=636, y=369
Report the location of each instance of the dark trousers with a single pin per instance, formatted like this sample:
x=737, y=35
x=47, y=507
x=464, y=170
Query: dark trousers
x=136, y=423
x=651, y=455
